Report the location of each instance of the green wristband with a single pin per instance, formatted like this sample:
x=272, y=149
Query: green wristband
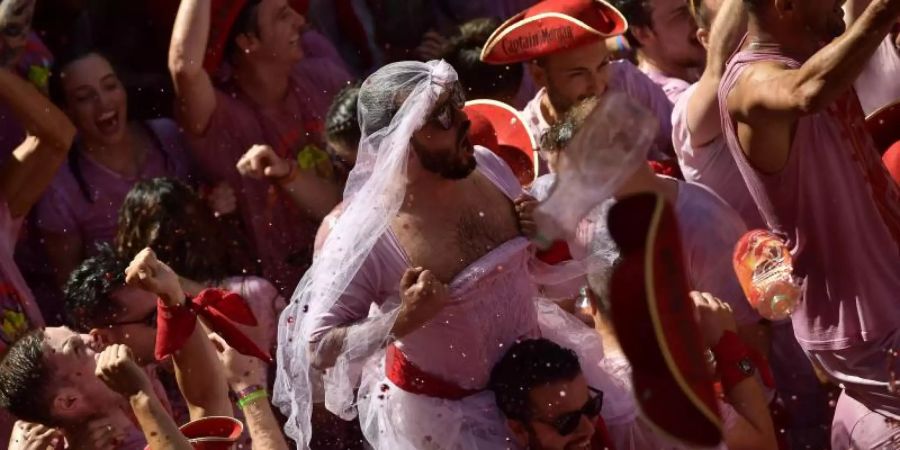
x=252, y=397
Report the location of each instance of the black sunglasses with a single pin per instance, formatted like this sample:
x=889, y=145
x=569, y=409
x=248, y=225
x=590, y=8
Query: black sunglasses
x=148, y=320
x=566, y=423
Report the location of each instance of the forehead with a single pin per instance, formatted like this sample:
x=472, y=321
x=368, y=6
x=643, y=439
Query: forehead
x=87, y=69
x=552, y=399
x=589, y=56
x=130, y=299
x=55, y=337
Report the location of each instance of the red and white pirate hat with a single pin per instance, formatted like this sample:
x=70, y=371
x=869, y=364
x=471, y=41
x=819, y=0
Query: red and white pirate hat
x=653, y=317
x=552, y=26
x=501, y=129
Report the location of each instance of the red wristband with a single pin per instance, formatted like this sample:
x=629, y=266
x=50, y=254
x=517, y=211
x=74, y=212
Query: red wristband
x=733, y=360
x=557, y=253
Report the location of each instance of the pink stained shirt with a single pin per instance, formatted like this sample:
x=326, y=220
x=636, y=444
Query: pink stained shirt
x=623, y=77
x=64, y=208
x=879, y=83
x=839, y=211
x=673, y=87
x=281, y=235
x=266, y=303
x=711, y=165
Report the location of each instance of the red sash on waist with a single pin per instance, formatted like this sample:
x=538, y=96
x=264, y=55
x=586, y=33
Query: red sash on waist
x=414, y=380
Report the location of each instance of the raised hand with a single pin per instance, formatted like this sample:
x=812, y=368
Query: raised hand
x=715, y=317
x=422, y=297
x=261, y=162
x=152, y=275
x=116, y=368
x=33, y=436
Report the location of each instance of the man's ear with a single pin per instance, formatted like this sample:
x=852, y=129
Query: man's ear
x=538, y=73
x=247, y=43
x=519, y=432
x=703, y=37
x=105, y=336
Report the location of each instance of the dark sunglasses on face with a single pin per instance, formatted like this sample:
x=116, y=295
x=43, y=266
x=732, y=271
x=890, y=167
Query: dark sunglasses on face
x=566, y=423
x=443, y=115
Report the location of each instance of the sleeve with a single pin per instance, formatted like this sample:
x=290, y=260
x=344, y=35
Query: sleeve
x=356, y=301
x=499, y=172
x=627, y=78
x=9, y=227
x=215, y=151
x=681, y=136
x=716, y=231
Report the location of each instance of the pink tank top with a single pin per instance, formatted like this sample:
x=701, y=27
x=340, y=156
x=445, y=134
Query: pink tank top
x=839, y=210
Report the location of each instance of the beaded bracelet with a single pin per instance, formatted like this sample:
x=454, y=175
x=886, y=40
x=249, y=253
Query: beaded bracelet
x=252, y=397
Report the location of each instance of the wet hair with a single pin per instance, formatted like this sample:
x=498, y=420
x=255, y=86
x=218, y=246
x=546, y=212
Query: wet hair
x=638, y=13
x=480, y=79
x=88, y=304
x=247, y=22
x=342, y=121
x=169, y=217
x=529, y=364
x=25, y=380
x=561, y=133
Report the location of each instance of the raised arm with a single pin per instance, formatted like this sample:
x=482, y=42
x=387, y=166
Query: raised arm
x=703, y=119
x=195, y=96
x=770, y=97
x=197, y=368
x=116, y=368
x=34, y=162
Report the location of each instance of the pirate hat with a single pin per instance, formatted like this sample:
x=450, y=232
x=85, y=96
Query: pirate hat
x=552, y=26
x=653, y=317
x=496, y=123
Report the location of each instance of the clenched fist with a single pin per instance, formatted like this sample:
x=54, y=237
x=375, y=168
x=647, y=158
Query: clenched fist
x=261, y=162
x=422, y=297
x=525, y=206
x=116, y=368
x=152, y=275
x=33, y=436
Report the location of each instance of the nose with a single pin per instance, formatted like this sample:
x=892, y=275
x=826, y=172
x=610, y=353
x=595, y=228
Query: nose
x=299, y=19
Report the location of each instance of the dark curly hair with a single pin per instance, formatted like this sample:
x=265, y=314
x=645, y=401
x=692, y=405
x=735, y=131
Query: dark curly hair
x=169, y=217
x=479, y=79
x=528, y=364
x=26, y=381
x=341, y=121
x=88, y=304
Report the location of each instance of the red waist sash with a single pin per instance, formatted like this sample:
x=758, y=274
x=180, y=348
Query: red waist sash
x=412, y=379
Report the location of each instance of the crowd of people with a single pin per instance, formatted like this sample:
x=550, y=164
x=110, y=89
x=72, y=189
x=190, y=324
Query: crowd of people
x=449, y=224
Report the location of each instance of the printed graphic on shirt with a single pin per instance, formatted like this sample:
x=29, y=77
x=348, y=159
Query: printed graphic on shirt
x=14, y=321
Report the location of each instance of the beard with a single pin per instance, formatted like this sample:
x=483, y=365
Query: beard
x=451, y=165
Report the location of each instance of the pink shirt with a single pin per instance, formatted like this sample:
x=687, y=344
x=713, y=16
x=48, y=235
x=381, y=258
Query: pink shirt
x=266, y=303
x=673, y=87
x=624, y=76
x=712, y=165
x=839, y=211
x=65, y=209
x=281, y=234
x=879, y=83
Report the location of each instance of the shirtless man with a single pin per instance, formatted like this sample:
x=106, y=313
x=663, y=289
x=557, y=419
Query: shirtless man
x=795, y=128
